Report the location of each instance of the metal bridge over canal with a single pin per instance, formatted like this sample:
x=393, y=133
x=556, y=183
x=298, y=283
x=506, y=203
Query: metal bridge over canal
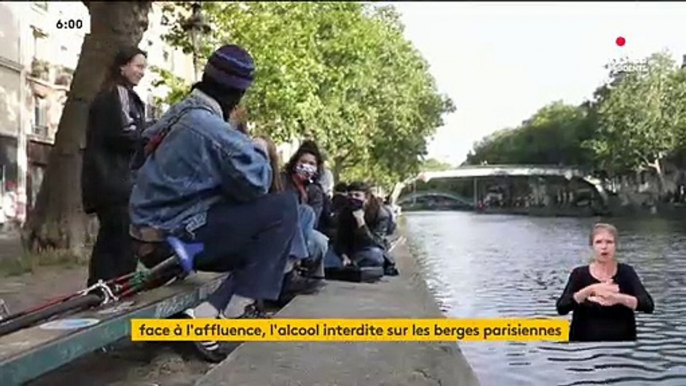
x=538, y=185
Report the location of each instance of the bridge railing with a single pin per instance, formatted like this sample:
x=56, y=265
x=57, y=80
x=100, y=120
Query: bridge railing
x=409, y=197
x=503, y=170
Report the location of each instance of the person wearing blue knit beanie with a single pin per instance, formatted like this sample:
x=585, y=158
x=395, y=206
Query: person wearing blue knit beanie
x=205, y=182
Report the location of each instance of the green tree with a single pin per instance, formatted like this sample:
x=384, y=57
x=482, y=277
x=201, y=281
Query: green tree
x=554, y=135
x=433, y=164
x=641, y=117
x=677, y=108
x=283, y=97
x=177, y=87
x=404, y=101
x=58, y=220
x=636, y=121
x=343, y=75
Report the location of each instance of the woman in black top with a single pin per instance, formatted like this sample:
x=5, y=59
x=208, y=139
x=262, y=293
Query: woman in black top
x=115, y=121
x=604, y=295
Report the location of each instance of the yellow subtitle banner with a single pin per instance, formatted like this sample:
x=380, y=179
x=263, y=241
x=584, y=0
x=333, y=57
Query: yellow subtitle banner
x=350, y=330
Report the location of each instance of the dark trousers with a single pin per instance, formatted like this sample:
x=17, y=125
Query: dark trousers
x=250, y=240
x=112, y=255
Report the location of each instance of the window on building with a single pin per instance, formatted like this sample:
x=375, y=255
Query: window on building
x=40, y=43
x=40, y=116
x=34, y=48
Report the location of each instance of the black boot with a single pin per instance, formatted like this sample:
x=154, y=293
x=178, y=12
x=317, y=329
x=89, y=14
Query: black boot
x=295, y=284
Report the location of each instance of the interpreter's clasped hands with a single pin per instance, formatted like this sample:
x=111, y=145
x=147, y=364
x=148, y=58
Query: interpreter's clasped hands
x=605, y=294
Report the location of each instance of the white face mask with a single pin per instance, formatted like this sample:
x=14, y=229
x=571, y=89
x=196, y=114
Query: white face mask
x=306, y=171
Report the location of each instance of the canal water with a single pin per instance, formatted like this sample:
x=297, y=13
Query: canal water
x=482, y=266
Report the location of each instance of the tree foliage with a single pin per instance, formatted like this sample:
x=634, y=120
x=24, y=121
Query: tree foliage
x=432, y=164
x=641, y=118
x=633, y=122
x=554, y=135
x=177, y=87
x=341, y=73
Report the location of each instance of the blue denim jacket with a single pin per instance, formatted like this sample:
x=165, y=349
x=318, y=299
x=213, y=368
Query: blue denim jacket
x=201, y=161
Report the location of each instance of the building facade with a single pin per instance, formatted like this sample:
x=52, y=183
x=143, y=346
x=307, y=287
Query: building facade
x=37, y=62
x=12, y=113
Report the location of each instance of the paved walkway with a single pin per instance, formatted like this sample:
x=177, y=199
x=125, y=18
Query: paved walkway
x=348, y=364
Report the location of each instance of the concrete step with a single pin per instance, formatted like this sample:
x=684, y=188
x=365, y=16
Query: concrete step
x=358, y=363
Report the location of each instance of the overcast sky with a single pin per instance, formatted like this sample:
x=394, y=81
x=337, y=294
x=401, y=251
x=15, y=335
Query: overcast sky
x=500, y=62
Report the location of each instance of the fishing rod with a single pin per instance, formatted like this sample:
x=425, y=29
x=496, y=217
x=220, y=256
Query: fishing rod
x=99, y=294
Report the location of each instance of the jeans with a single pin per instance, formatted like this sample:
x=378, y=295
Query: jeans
x=317, y=246
x=112, y=254
x=367, y=257
x=316, y=242
x=253, y=241
x=299, y=248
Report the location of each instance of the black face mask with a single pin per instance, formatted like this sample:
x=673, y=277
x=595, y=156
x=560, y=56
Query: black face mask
x=355, y=204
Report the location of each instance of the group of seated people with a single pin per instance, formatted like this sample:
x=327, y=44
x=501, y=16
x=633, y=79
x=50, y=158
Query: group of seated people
x=201, y=177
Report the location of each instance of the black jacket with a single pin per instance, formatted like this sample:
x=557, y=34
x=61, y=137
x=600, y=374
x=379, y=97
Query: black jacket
x=110, y=144
x=331, y=210
x=315, y=195
x=350, y=238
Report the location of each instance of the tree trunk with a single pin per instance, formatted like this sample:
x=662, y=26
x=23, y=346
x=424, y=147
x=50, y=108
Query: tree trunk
x=337, y=168
x=58, y=220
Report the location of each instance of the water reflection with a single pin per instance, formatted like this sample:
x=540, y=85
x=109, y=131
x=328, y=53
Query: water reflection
x=512, y=266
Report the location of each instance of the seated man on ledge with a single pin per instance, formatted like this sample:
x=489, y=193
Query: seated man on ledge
x=361, y=230
x=205, y=182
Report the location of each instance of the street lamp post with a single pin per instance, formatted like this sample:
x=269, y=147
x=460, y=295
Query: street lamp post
x=196, y=26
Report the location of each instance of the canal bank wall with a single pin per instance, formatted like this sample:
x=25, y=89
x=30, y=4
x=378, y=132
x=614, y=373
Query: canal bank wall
x=353, y=363
x=659, y=210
